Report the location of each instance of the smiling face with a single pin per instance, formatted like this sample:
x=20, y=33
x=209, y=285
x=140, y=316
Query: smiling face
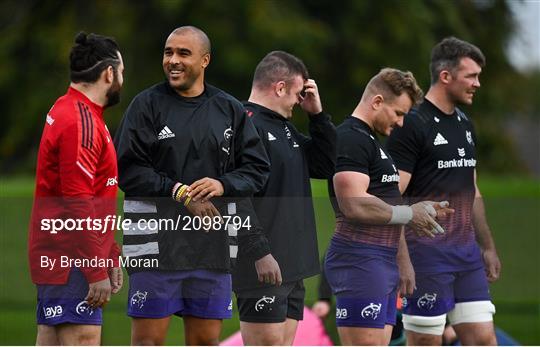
x=390, y=114
x=184, y=61
x=285, y=95
x=292, y=95
x=464, y=81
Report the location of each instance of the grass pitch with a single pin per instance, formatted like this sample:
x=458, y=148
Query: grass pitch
x=513, y=209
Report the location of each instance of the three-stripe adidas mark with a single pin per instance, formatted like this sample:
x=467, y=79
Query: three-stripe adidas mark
x=439, y=140
x=87, y=126
x=165, y=133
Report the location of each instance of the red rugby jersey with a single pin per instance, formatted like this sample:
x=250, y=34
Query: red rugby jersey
x=76, y=179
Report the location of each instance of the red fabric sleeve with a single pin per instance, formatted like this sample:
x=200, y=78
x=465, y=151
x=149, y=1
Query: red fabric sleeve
x=114, y=254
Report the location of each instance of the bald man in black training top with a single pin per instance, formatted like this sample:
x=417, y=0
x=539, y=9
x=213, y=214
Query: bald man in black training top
x=183, y=146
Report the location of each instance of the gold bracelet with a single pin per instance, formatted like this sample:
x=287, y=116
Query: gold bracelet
x=176, y=186
x=176, y=193
x=180, y=193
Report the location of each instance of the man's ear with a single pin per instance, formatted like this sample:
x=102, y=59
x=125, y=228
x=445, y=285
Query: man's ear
x=280, y=88
x=377, y=101
x=206, y=60
x=445, y=76
x=109, y=74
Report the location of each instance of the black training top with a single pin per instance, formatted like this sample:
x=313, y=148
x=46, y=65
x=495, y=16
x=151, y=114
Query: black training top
x=284, y=206
x=359, y=150
x=439, y=151
x=165, y=138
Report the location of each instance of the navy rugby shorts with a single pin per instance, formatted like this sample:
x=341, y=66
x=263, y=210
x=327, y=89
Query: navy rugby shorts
x=58, y=304
x=198, y=293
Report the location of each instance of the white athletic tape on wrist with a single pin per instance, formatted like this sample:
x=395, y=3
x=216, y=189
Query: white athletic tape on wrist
x=401, y=214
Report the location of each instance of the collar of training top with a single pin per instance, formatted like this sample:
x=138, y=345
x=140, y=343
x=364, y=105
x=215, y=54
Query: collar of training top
x=256, y=109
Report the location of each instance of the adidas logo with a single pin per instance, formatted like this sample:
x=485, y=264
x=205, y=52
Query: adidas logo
x=461, y=152
x=439, y=140
x=50, y=119
x=271, y=137
x=383, y=155
x=165, y=133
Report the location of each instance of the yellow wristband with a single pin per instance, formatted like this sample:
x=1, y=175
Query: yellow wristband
x=180, y=193
x=177, y=186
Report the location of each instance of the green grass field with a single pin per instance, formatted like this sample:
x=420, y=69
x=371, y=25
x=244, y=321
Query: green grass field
x=513, y=208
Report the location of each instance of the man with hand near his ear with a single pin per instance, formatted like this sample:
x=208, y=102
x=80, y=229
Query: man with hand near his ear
x=271, y=306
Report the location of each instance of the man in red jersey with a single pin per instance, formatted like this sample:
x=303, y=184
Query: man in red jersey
x=74, y=260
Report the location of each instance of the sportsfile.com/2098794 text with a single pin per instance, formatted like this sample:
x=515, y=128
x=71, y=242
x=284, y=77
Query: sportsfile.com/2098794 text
x=112, y=223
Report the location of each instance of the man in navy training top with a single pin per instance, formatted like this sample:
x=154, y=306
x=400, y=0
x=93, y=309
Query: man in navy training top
x=361, y=262
x=436, y=158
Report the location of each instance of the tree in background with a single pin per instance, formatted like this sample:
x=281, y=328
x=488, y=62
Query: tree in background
x=341, y=43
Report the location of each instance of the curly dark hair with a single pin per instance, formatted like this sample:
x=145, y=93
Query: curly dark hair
x=90, y=55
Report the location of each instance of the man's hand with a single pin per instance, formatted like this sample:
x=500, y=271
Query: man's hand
x=439, y=209
x=99, y=293
x=492, y=264
x=268, y=270
x=321, y=308
x=422, y=221
x=407, y=280
x=116, y=277
x=205, y=189
x=203, y=209
x=311, y=101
